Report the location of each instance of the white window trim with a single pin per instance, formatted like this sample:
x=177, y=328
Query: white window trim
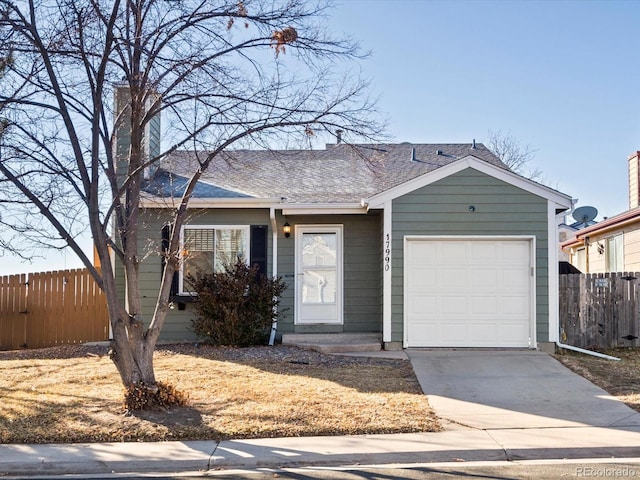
x=247, y=236
x=607, y=252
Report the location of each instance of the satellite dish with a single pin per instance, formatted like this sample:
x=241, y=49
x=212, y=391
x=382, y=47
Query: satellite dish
x=585, y=214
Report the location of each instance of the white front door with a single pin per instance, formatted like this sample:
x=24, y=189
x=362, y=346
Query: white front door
x=318, y=274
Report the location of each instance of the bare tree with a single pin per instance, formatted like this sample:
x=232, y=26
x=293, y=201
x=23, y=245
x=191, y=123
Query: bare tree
x=222, y=74
x=514, y=154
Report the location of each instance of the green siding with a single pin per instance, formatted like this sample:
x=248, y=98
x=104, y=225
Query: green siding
x=178, y=323
x=442, y=208
x=362, y=277
x=437, y=209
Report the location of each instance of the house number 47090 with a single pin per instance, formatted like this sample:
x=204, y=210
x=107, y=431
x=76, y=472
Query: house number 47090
x=387, y=252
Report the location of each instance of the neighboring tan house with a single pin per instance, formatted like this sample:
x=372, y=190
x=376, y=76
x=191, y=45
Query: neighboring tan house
x=565, y=232
x=612, y=245
x=424, y=245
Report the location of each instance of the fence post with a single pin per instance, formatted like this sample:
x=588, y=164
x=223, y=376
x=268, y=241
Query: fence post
x=13, y=319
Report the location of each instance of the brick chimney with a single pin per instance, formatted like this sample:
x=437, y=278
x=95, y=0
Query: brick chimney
x=122, y=132
x=634, y=180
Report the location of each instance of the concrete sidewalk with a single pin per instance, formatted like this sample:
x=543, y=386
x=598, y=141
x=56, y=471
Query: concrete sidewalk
x=449, y=446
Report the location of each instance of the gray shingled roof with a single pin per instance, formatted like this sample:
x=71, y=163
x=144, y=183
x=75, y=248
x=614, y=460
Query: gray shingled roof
x=338, y=174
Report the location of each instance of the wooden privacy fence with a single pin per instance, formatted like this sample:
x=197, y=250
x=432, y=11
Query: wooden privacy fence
x=600, y=310
x=51, y=308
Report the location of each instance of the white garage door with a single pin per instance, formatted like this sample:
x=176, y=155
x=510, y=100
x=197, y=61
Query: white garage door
x=468, y=293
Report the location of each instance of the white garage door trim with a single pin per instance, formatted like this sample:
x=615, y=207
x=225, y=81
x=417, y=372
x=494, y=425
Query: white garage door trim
x=529, y=342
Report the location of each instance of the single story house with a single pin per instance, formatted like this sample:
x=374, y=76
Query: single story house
x=613, y=244
x=427, y=245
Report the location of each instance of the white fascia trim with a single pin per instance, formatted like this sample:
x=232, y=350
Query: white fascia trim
x=553, y=269
x=155, y=202
x=377, y=201
x=324, y=209
x=387, y=273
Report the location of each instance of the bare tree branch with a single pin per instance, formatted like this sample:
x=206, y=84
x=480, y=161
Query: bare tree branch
x=514, y=154
x=222, y=74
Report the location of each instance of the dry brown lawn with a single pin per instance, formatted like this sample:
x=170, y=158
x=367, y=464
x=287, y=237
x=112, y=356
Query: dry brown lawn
x=621, y=379
x=73, y=394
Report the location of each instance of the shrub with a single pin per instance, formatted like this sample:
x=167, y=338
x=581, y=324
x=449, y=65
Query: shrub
x=235, y=307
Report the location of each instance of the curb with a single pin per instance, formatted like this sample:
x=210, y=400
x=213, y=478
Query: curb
x=411, y=448
x=52, y=459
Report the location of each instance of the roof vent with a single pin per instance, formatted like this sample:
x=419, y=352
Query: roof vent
x=413, y=154
x=438, y=152
x=339, y=136
x=473, y=145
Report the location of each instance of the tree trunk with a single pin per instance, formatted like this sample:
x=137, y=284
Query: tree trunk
x=134, y=343
x=132, y=353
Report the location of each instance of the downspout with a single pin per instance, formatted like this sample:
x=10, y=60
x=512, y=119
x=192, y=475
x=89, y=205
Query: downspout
x=587, y=352
x=586, y=254
x=274, y=269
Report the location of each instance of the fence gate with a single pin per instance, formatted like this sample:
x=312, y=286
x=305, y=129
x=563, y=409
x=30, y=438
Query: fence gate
x=600, y=310
x=51, y=308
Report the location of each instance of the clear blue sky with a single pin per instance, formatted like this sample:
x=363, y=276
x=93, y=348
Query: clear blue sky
x=561, y=76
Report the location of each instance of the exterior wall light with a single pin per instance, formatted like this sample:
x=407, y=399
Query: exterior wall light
x=286, y=229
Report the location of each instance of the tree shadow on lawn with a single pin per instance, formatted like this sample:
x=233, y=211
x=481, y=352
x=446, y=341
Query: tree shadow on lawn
x=234, y=393
x=364, y=374
x=38, y=421
x=185, y=416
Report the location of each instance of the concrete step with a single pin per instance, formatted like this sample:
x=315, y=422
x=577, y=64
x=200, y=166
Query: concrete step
x=335, y=342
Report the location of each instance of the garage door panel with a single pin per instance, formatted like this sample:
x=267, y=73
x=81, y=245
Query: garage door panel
x=422, y=278
x=481, y=305
x=423, y=331
x=453, y=333
x=426, y=303
x=483, y=278
x=471, y=292
x=513, y=251
x=423, y=252
x=511, y=334
x=452, y=250
x=481, y=334
x=515, y=306
x=483, y=252
x=450, y=278
x=453, y=305
x=515, y=279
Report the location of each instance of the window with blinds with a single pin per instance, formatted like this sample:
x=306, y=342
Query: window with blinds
x=208, y=249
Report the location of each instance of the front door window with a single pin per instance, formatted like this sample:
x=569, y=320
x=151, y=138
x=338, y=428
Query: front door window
x=319, y=274
x=319, y=267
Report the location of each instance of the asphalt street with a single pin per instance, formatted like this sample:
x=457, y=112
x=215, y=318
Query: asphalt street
x=547, y=470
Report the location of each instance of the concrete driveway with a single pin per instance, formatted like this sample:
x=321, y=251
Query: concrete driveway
x=509, y=389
